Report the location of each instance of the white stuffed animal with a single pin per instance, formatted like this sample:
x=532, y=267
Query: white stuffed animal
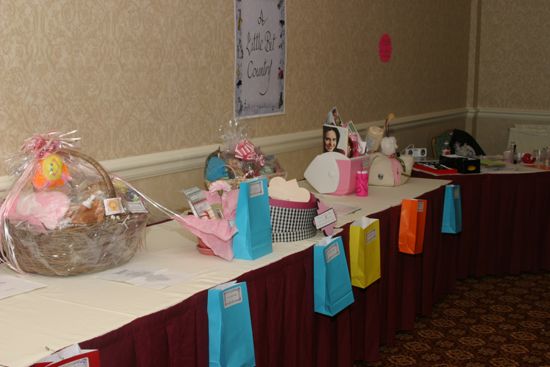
x=388, y=146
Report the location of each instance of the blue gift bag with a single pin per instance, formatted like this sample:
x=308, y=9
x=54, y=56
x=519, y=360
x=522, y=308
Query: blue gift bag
x=230, y=341
x=253, y=221
x=332, y=285
x=452, y=210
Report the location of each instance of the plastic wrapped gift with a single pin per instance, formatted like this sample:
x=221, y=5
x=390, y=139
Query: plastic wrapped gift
x=223, y=165
x=63, y=215
x=238, y=159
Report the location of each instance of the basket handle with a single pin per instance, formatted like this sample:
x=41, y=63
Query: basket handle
x=111, y=193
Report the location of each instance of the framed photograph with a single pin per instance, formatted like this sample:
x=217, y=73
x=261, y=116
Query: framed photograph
x=260, y=57
x=336, y=139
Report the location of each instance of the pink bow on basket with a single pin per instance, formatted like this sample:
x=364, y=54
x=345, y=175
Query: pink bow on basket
x=41, y=144
x=246, y=151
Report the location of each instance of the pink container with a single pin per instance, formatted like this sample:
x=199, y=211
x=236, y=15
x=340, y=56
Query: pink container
x=362, y=183
x=348, y=171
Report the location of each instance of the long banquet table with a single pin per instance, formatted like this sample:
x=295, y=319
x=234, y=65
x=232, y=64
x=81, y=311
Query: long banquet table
x=134, y=326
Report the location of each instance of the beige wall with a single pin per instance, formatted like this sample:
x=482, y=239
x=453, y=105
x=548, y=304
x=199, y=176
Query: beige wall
x=513, y=73
x=137, y=77
x=514, y=52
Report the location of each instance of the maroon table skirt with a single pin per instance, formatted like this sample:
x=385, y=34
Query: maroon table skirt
x=506, y=223
x=288, y=333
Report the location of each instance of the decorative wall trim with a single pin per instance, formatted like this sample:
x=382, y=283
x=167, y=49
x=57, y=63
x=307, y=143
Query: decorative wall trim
x=510, y=114
x=182, y=160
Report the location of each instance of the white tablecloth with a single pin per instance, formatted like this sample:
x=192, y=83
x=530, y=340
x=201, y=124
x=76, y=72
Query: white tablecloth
x=73, y=309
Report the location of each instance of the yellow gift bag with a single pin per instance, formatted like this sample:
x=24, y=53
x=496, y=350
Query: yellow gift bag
x=364, y=249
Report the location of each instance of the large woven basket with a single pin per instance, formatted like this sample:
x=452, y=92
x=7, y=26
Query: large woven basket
x=77, y=249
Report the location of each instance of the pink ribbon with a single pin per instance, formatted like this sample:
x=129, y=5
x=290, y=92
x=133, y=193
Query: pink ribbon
x=397, y=170
x=42, y=144
x=246, y=151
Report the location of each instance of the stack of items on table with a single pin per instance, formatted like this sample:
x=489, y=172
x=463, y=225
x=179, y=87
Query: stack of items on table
x=350, y=163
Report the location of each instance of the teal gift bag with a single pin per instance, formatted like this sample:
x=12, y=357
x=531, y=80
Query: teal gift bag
x=253, y=221
x=331, y=280
x=230, y=341
x=452, y=210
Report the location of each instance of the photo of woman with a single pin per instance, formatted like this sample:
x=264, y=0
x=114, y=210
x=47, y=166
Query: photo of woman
x=335, y=139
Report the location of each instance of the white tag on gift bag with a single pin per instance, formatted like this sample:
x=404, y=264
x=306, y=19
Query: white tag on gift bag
x=232, y=297
x=371, y=235
x=332, y=252
x=420, y=206
x=255, y=189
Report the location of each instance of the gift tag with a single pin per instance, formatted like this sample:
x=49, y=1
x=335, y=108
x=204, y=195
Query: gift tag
x=371, y=235
x=232, y=297
x=325, y=219
x=256, y=189
x=136, y=207
x=113, y=206
x=332, y=252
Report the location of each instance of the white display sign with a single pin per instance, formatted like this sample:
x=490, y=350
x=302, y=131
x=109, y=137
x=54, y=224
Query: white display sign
x=260, y=57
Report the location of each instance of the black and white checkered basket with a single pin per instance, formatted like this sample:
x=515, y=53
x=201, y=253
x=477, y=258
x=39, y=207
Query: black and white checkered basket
x=292, y=221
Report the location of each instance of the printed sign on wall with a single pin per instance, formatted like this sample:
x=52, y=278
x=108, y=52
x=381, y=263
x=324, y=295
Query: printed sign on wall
x=260, y=57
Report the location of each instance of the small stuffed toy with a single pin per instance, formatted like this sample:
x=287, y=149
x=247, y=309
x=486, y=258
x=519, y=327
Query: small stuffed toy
x=388, y=146
x=50, y=173
x=386, y=169
x=90, y=212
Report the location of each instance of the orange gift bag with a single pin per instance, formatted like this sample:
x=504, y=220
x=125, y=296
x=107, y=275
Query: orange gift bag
x=412, y=225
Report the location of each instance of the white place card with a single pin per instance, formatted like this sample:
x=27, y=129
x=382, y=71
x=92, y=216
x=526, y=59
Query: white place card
x=145, y=277
x=12, y=285
x=325, y=218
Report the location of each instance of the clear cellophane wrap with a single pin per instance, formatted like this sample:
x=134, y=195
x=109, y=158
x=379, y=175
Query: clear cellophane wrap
x=64, y=214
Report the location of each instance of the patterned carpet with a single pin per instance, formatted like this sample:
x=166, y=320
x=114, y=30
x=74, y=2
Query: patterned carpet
x=492, y=321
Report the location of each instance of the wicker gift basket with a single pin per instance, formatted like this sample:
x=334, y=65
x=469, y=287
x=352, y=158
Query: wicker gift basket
x=238, y=159
x=65, y=216
x=233, y=168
